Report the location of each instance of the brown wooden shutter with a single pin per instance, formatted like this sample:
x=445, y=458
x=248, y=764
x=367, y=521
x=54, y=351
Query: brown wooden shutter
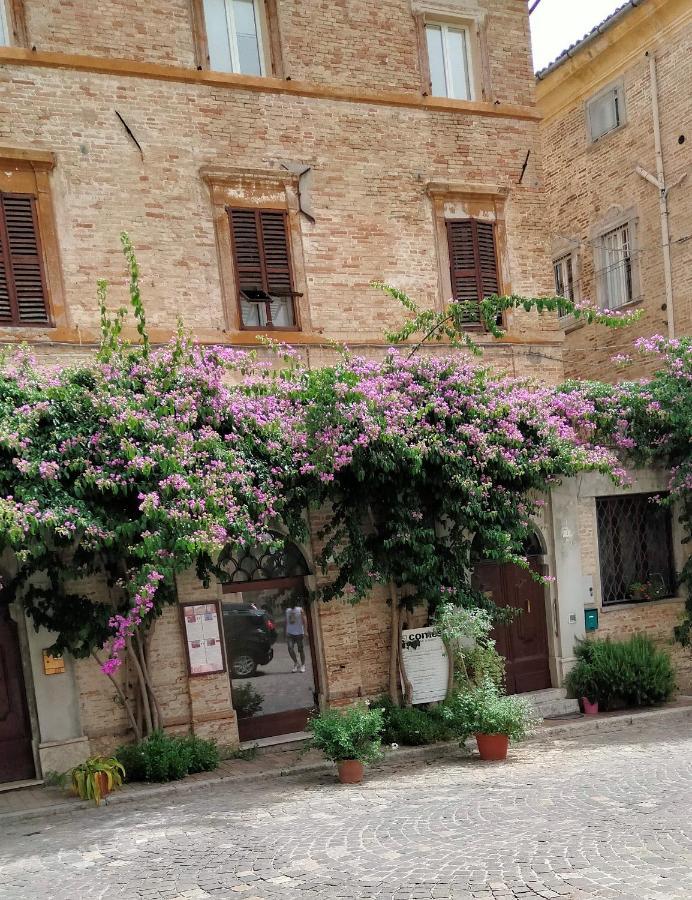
x=261, y=252
x=262, y=256
x=473, y=264
x=23, y=294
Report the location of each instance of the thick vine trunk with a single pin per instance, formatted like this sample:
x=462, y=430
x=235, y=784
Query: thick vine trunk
x=144, y=697
x=152, y=691
x=125, y=702
x=395, y=646
x=408, y=690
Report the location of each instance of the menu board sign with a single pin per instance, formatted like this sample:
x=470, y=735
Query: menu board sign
x=203, y=638
x=425, y=660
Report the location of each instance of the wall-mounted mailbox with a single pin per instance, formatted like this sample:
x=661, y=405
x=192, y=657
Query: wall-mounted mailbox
x=590, y=619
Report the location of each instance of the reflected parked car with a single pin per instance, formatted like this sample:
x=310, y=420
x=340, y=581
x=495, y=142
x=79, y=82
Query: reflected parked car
x=250, y=636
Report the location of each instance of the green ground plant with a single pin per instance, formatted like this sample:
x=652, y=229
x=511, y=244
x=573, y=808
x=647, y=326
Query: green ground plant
x=163, y=757
x=618, y=674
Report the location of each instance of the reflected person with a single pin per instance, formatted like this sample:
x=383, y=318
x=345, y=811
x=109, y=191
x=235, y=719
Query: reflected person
x=296, y=630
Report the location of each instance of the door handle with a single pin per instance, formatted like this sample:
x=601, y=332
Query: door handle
x=528, y=607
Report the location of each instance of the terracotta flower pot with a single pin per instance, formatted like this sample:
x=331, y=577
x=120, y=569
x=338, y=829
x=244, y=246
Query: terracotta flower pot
x=350, y=771
x=103, y=784
x=492, y=747
x=590, y=709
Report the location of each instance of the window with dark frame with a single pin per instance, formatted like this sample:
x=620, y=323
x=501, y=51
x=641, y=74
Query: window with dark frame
x=264, y=274
x=473, y=264
x=635, y=548
x=23, y=293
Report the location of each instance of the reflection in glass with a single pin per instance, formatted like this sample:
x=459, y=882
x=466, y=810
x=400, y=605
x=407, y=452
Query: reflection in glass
x=265, y=679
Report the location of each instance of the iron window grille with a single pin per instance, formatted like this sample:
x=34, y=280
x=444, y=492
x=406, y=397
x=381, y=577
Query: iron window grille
x=635, y=549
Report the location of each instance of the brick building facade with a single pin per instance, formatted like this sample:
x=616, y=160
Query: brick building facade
x=268, y=167
x=607, y=104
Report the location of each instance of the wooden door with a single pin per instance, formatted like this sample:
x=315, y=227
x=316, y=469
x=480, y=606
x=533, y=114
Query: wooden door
x=16, y=755
x=524, y=641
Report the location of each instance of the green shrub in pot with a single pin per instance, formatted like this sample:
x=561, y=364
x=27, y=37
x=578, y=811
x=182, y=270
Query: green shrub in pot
x=353, y=733
x=629, y=673
x=485, y=710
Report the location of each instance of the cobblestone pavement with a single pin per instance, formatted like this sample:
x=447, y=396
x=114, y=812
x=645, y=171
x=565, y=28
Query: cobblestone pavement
x=602, y=816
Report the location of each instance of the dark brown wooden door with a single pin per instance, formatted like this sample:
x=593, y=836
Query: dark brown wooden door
x=523, y=642
x=16, y=756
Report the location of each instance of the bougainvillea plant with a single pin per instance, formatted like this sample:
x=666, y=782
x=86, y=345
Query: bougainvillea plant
x=149, y=462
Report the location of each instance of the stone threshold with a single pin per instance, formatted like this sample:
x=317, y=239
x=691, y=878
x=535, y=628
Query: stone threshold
x=288, y=760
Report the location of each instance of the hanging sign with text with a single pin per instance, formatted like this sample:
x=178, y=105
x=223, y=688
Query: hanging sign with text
x=424, y=658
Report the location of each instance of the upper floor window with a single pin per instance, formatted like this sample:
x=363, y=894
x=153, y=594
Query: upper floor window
x=635, y=548
x=616, y=267
x=605, y=112
x=473, y=264
x=449, y=61
x=234, y=36
x=4, y=25
x=263, y=269
x=564, y=277
x=23, y=294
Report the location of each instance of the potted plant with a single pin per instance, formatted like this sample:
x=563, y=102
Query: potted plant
x=349, y=737
x=640, y=590
x=493, y=718
x=96, y=777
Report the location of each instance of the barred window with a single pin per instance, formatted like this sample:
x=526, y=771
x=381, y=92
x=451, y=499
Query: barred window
x=635, y=548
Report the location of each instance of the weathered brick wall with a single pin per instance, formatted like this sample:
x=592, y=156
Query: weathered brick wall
x=353, y=43
x=152, y=32
x=586, y=182
x=374, y=219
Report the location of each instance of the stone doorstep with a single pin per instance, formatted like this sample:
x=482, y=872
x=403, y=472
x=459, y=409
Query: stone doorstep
x=606, y=722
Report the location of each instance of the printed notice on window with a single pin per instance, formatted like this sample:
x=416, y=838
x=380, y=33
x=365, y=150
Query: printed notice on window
x=424, y=658
x=203, y=638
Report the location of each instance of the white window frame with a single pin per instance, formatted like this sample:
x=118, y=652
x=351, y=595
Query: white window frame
x=233, y=36
x=617, y=91
x=4, y=26
x=617, y=258
x=561, y=263
x=445, y=28
x=561, y=260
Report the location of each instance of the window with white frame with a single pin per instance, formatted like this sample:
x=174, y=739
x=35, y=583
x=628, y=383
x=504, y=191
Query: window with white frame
x=563, y=270
x=449, y=61
x=4, y=25
x=564, y=276
x=616, y=267
x=234, y=36
x=605, y=112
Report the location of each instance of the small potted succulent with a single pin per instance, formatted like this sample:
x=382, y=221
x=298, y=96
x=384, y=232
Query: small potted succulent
x=349, y=737
x=96, y=777
x=493, y=718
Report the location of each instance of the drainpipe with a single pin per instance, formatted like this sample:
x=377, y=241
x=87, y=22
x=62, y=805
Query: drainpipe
x=659, y=182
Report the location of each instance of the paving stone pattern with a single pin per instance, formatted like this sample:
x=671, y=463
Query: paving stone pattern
x=602, y=816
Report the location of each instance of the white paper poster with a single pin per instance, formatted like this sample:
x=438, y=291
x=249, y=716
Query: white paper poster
x=424, y=657
x=203, y=639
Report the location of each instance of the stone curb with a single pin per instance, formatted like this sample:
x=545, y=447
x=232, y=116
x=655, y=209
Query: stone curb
x=565, y=729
